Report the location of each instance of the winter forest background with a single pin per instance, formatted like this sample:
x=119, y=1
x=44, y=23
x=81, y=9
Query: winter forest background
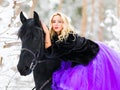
x=97, y=20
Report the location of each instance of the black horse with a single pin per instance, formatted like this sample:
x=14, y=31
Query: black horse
x=32, y=57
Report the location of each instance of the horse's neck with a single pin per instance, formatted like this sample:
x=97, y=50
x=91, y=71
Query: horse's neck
x=40, y=75
x=42, y=48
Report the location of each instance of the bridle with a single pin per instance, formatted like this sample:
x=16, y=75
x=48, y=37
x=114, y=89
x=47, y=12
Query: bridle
x=33, y=64
x=35, y=60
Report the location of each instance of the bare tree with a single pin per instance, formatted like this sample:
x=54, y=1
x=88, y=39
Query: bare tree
x=84, y=18
x=0, y=2
x=92, y=15
x=118, y=8
x=33, y=7
x=60, y=5
x=101, y=10
x=16, y=8
x=1, y=58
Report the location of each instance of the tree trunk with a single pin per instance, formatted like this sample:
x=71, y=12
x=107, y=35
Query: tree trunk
x=84, y=18
x=101, y=10
x=16, y=7
x=60, y=5
x=33, y=7
x=1, y=58
x=0, y=2
x=118, y=8
x=92, y=16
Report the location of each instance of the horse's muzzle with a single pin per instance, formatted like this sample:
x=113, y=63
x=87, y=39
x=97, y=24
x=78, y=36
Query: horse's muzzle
x=24, y=70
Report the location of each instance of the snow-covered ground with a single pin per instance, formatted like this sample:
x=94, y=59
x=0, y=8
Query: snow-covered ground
x=10, y=78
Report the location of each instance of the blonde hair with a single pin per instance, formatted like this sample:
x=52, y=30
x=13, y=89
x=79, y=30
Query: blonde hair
x=67, y=27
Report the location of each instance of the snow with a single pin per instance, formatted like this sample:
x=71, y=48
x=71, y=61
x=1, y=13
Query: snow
x=10, y=79
x=112, y=24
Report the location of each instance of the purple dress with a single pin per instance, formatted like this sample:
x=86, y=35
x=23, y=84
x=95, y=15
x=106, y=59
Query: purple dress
x=102, y=73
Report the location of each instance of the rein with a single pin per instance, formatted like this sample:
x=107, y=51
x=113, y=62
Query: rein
x=44, y=84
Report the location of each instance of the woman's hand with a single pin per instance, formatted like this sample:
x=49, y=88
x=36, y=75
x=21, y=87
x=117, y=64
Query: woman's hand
x=45, y=28
x=47, y=36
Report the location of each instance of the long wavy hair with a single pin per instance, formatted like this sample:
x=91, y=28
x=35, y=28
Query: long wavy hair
x=67, y=27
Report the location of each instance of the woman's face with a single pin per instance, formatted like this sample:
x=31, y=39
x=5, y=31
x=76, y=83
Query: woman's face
x=57, y=24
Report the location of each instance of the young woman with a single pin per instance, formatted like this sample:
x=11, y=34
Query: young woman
x=86, y=65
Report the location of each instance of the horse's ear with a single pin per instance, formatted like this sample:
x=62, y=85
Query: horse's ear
x=36, y=17
x=22, y=17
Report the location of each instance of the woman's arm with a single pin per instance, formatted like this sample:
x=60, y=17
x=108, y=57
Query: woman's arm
x=47, y=36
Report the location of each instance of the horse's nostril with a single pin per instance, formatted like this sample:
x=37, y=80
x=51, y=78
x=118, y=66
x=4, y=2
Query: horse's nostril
x=24, y=70
x=26, y=67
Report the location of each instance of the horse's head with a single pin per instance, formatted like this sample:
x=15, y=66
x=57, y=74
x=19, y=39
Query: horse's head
x=32, y=38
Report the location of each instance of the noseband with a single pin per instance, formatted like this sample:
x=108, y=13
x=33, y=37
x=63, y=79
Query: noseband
x=33, y=64
x=35, y=60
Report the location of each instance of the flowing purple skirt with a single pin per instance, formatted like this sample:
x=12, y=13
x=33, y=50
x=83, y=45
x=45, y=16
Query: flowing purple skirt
x=103, y=73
